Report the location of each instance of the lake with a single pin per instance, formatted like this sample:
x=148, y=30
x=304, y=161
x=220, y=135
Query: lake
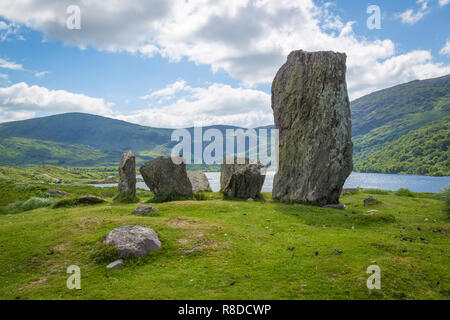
x=355, y=180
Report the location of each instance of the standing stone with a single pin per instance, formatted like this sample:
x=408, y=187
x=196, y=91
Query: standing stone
x=127, y=174
x=312, y=112
x=199, y=181
x=166, y=177
x=242, y=180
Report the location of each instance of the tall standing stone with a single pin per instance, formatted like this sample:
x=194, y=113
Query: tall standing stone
x=127, y=174
x=312, y=112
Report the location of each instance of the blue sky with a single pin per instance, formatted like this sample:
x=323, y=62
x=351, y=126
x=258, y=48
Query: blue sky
x=170, y=63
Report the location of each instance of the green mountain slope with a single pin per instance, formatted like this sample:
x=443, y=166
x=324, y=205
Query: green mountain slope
x=25, y=152
x=386, y=115
x=422, y=151
x=86, y=129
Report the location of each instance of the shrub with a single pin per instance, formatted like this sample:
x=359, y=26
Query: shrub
x=35, y=203
x=199, y=195
x=104, y=253
x=403, y=192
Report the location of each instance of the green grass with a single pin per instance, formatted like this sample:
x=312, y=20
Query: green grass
x=404, y=192
x=249, y=250
x=48, y=174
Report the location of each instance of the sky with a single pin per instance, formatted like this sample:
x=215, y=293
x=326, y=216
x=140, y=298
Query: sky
x=178, y=63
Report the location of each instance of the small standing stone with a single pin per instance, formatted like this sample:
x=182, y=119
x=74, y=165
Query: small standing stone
x=369, y=200
x=127, y=174
x=199, y=181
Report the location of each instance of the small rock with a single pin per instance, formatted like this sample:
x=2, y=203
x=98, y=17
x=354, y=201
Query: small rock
x=410, y=239
x=250, y=200
x=335, y=206
x=58, y=192
x=443, y=231
x=43, y=280
x=116, y=264
x=188, y=252
x=144, y=209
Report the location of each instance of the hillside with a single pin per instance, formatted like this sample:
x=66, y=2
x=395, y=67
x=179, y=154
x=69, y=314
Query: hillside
x=89, y=130
x=386, y=115
x=422, y=151
x=26, y=152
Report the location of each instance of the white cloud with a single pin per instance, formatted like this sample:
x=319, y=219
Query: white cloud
x=443, y=2
x=411, y=17
x=3, y=76
x=21, y=101
x=41, y=73
x=8, y=30
x=249, y=40
x=168, y=91
x=10, y=65
x=446, y=49
x=216, y=104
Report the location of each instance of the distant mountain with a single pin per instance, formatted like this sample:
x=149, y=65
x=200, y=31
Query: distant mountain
x=389, y=128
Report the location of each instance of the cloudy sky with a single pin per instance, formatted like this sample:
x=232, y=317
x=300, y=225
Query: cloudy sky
x=176, y=63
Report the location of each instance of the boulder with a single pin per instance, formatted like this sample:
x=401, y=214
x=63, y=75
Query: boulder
x=127, y=174
x=144, y=209
x=242, y=180
x=133, y=241
x=199, y=181
x=89, y=199
x=166, y=177
x=58, y=193
x=312, y=113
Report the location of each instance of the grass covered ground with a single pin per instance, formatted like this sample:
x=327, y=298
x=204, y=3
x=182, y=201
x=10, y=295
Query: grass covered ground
x=245, y=250
x=48, y=174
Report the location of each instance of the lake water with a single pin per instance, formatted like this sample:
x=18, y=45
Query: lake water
x=356, y=180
